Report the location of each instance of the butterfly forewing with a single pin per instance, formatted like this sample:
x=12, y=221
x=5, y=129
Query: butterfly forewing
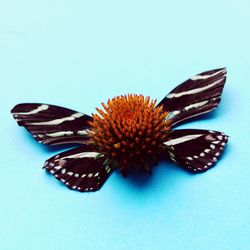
x=194, y=149
x=81, y=168
x=198, y=95
x=50, y=124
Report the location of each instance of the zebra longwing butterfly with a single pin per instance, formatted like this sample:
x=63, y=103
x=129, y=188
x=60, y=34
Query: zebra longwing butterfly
x=131, y=131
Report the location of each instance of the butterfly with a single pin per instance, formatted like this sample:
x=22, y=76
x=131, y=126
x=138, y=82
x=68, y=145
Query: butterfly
x=130, y=131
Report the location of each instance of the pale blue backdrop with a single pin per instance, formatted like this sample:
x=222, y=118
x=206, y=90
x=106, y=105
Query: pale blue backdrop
x=80, y=53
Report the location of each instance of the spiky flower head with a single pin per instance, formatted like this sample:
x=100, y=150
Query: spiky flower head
x=130, y=131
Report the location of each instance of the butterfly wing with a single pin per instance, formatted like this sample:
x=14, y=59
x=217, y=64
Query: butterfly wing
x=50, y=124
x=194, y=149
x=198, y=95
x=81, y=168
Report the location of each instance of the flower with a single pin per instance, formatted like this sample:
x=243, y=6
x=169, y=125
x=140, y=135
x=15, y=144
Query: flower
x=130, y=132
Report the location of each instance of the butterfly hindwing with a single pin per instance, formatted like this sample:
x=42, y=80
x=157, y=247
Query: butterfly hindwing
x=81, y=168
x=198, y=95
x=50, y=124
x=194, y=149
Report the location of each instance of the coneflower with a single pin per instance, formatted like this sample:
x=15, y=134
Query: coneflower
x=130, y=132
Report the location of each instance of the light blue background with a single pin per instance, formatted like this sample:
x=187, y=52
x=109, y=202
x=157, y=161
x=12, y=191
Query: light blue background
x=79, y=53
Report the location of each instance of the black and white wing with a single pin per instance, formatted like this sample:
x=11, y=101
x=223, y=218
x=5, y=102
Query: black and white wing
x=50, y=124
x=80, y=169
x=194, y=149
x=198, y=95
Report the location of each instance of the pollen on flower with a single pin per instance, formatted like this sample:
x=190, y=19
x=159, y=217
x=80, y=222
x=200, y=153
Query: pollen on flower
x=130, y=131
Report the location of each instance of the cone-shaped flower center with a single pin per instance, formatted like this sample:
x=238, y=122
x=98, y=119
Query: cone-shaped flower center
x=130, y=131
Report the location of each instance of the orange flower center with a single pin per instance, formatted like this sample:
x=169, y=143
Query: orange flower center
x=130, y=131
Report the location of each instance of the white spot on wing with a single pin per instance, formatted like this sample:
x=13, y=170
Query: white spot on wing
x=215, y=142
x=108, y=169
x=173, y=159
x=220, y=137
x=63, y=171
x=171, y=155
x=209, y=137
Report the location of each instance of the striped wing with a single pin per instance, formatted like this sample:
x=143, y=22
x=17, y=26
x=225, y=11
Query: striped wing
x=51, y=124
x=198, y=95
x=194, y=149
x=79, y=168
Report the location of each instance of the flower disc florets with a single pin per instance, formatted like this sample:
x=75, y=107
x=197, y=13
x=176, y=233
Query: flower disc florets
x=130, y=131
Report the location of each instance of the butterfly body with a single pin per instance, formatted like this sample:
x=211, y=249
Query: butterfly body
x=131, y=130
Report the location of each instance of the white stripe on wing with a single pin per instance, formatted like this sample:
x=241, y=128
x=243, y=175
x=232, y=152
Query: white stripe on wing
x=58, y=121
x=182, y=139
x=194, y=91
x=195, y=105
x=34, y=111
x=82, y=155
x=58, y=134
x=201, y=77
